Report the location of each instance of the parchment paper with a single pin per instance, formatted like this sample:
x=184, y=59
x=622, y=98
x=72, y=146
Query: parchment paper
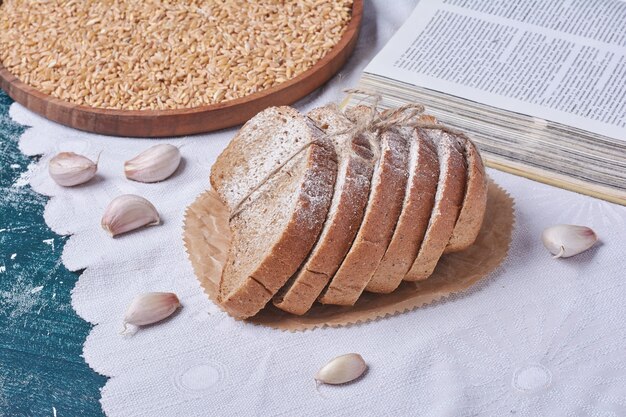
x=207, y=236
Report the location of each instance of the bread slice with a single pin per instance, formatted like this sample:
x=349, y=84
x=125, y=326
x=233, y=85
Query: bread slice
x=262, y=146
x=355, y=167
x=474, y=203
x=416, y=210
x=274, y=229
x=381, y=215
x=448, y=201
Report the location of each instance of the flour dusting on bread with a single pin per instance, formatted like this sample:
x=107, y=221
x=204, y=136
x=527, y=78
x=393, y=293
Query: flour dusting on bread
x=327, y=205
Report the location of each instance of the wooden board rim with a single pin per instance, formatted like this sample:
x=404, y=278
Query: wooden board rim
x=182, y=122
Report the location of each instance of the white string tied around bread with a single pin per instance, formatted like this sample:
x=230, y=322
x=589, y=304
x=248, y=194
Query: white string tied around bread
x=408, y=115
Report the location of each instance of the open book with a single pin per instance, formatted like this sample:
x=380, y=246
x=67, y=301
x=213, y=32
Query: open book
x=539, y=85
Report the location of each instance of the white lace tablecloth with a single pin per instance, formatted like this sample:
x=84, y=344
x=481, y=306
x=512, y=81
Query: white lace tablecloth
x=541, y=337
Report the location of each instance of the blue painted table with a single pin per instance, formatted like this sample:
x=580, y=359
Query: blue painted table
x=42, y=372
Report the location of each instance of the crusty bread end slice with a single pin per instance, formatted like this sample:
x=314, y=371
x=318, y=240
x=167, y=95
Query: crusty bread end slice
x=274, y=229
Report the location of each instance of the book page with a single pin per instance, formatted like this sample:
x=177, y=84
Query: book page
x=560, y=60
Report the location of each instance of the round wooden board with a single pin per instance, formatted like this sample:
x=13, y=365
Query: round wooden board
x=164, y=123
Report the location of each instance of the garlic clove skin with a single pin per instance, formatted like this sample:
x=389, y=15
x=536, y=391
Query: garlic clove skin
x=150, y=308
x=128, y=212
x=154, y=164
x=69, y=169
x=342, y=369
x=565, y=240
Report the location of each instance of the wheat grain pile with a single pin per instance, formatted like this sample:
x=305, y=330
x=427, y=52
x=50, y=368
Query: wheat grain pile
x=157, y=55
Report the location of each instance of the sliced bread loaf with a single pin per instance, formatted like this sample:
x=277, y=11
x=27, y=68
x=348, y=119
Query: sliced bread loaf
x=264, y=144
x=355, y=167
x=274, y=229
x=416, y=210
x=383, y=209
x=448, y=201
x=474, y=203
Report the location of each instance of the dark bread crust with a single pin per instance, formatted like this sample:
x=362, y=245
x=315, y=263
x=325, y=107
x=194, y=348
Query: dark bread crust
x=382, y=212
x=448, y=200
x=413, y=221
x=380, y=229
x=288, y=252
x=474, y=203
x=300, y=293
x=312, y=279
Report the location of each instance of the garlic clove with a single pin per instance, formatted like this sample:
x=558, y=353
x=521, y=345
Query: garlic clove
x=565, y=240
x=342, y=369
x=154, y=164
x=150, y=308
x=128, y=212
x=69, y=169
